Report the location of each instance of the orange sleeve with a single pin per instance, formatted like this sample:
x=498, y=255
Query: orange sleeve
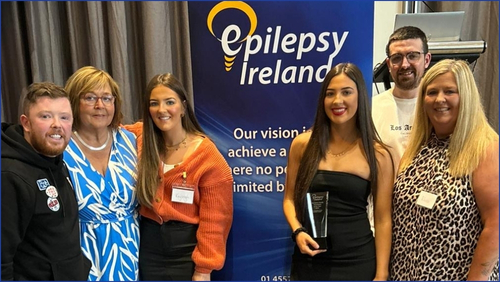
x=215, y=212
x=136, y=129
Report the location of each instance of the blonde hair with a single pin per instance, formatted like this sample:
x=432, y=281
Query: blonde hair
x=85, y=80
x=472, y=134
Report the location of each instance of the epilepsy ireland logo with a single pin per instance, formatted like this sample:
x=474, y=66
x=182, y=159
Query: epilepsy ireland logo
x=232, y=33
x=288, y=53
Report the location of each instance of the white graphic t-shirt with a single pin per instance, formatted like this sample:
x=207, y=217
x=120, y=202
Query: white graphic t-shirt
x=393, y=119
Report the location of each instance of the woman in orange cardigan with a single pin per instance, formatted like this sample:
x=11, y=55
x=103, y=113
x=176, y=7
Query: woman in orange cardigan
x=184, y=188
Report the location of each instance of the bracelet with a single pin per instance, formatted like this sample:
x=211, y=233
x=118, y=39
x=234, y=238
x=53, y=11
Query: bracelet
x=297, y=231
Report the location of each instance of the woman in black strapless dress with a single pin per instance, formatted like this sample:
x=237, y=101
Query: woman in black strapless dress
x=341, y=155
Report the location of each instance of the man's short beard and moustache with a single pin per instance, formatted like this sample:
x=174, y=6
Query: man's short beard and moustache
x=408, y=84
x=40, y=145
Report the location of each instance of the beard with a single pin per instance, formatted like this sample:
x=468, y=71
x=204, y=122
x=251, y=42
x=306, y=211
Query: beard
x=406, y=83
x=43, y=146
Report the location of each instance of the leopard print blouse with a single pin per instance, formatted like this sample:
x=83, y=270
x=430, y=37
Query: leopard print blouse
x=434, y=244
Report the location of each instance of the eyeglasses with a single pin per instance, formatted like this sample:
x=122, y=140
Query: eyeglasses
x=91, y=99
x=412, y=57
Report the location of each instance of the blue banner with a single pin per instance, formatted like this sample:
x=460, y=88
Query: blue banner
x=257, y=72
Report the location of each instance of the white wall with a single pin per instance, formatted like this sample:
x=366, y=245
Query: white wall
x=385, y=12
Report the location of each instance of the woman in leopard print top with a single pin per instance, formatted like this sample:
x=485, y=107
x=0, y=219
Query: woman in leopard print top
x=445, y=219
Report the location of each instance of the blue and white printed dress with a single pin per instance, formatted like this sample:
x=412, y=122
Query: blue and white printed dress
x=108, y=209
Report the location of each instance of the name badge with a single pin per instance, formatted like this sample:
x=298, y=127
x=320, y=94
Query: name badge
x=426, y=199
x=182, y=193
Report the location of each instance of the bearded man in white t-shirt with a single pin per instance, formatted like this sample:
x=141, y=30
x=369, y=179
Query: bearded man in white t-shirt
x=407, y=58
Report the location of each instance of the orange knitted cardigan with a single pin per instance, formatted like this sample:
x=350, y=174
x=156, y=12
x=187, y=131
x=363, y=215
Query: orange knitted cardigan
x=212, y=207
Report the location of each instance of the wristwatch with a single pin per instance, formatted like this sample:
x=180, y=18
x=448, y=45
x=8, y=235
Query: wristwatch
x=297, y=231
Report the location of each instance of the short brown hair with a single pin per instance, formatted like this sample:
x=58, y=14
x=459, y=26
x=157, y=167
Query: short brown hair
x=41, y=89
x=405, y=33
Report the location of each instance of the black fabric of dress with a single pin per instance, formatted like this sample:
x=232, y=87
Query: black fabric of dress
x=351, y=246
x=166, y=250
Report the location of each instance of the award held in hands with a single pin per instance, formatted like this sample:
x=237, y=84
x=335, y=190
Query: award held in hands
x=317, y=210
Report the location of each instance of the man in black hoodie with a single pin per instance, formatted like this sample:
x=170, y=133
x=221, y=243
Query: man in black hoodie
x=40, y=229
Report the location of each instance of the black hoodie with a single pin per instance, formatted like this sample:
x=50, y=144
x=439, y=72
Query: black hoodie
x=40, y=230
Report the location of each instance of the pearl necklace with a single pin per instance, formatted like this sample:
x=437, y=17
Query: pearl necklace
x=91, y=147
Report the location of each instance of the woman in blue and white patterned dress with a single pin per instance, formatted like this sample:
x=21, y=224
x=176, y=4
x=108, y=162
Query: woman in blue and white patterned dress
x=101, y=158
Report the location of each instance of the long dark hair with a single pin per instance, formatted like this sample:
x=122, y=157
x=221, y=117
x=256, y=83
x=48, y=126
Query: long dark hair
x=153, y=143
x=317, y=146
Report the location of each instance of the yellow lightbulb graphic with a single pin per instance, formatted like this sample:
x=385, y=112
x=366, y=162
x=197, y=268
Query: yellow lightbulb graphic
x=239, y=5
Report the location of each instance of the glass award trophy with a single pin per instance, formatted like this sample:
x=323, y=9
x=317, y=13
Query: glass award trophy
x=317, y=211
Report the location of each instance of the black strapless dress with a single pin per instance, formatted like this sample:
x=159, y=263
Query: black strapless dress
x=351, y=246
